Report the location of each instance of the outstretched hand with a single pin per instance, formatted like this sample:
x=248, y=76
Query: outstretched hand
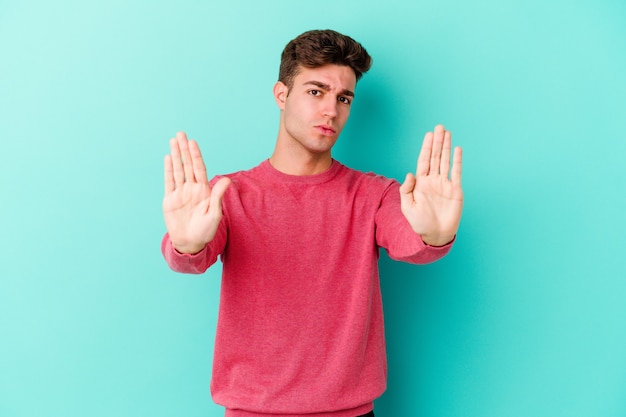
x=191, y=208
x=432, y=199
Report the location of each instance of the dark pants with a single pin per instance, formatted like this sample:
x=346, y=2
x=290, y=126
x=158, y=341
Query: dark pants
x=370, y=414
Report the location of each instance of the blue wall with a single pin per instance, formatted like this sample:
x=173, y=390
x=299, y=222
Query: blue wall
x=526, y=315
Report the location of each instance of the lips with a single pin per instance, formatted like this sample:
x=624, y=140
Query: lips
x=326, y=130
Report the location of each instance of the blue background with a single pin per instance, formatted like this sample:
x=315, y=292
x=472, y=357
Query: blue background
x=525, y=317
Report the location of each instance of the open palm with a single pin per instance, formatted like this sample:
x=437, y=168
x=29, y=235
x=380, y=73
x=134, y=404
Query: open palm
x=191, y=208
x=432, y=199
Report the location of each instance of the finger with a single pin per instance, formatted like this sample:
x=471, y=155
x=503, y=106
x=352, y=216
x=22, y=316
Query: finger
x=186, y=160
x=435, y=155
x=217, y=194
x=199, y=169
x=423, y=161
x=457, y=165
x=445, y=154
x=169, y=174
x=177, y=163
x=406, y=189
x=408, y=184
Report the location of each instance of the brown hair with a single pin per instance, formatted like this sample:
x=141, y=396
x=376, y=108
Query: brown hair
x=317, y=48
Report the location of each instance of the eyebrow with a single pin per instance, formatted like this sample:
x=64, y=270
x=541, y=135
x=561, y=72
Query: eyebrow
x=326, y=87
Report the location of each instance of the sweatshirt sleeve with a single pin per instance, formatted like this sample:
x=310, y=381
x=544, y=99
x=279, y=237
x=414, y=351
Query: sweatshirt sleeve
x=394, y=233
x=199, y=262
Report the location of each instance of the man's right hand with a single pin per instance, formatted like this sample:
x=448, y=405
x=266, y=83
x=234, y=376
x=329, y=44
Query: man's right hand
x=191, y=208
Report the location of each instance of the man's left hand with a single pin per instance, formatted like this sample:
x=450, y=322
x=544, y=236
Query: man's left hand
x=432, y=199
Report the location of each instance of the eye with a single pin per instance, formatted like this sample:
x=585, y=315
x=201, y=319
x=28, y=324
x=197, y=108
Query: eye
x=315, y=92
x=344, y=100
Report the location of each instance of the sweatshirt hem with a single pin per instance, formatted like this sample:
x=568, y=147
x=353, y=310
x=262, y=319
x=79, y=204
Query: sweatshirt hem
x=352, y=412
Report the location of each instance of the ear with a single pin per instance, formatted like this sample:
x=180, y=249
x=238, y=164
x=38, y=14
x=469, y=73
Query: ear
x=280, y=94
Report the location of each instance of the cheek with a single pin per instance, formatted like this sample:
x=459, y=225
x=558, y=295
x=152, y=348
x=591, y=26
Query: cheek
x=295, y=121
x=296, y=109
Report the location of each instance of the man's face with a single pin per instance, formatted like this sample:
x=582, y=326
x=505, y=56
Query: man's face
x=316, y=107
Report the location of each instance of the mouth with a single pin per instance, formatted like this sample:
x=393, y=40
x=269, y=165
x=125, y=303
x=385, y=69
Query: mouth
x=326, y=130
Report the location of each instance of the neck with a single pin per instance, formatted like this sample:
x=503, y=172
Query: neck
x=292, y=158
x=293, y=164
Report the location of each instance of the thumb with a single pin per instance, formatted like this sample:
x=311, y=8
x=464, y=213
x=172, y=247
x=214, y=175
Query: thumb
x=406, y=189
x=217, y=193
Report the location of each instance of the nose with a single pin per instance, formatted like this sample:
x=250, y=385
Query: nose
x=330, y=107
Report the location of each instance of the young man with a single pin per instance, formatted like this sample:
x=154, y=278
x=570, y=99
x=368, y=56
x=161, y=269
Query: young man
x=300, y=327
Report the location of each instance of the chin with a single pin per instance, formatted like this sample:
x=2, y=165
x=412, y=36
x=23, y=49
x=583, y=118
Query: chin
x=323, y=148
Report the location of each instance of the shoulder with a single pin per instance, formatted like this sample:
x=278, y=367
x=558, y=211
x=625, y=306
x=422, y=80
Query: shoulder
x=243, y=176
x=368, y=179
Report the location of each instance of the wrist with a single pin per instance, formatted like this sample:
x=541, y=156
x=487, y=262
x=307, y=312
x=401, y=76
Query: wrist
x=187, y=249
x=437, y=241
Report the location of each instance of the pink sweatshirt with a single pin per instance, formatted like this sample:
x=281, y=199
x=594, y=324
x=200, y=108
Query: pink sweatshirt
x=300, y=327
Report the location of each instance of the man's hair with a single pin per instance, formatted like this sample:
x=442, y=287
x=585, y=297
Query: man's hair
x=317, y=48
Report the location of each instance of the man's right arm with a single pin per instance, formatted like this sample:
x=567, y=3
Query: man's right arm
x=196, y=263
x=192, y=209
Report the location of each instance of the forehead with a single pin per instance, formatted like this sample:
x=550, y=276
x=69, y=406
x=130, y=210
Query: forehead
x=338, y=77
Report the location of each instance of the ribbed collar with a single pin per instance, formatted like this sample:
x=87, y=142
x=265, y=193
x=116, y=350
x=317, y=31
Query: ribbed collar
x=275, y=175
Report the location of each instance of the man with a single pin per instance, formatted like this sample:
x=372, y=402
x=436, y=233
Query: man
x=300, y=327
